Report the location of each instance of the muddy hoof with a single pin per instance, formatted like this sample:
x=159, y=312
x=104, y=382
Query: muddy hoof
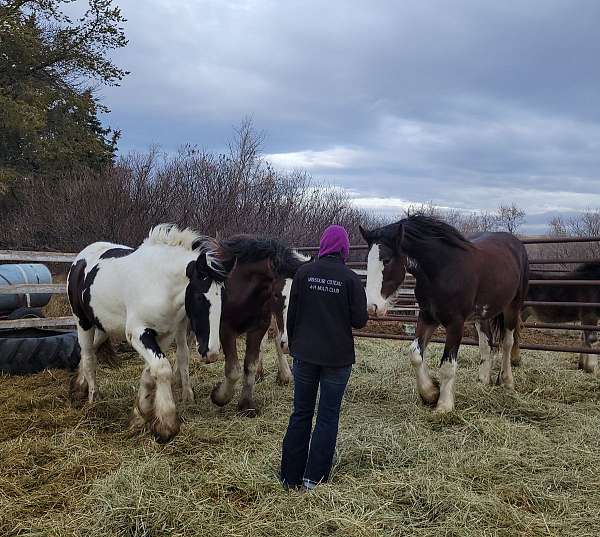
x=165, y=430
x=248, y=408
x=214, y=395
x=431, y=398
x=78, y=391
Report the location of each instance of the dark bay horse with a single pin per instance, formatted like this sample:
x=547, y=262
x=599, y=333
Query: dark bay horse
x=568, y=293
x=484, y=279
x=256, y=266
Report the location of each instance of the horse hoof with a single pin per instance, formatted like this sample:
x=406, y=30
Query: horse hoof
x=78, y=390
x=187, y=396
x=165, y=430
x=486, y=381
x=443, y=409
x=283, y=381
x=248, y=408
x=430, y=395
x=216, y=398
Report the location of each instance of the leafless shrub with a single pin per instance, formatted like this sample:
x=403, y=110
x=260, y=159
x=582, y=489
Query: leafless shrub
x=218, y=195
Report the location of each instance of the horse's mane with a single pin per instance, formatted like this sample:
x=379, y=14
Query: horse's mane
x=188, y=239
x=250, y=249
x=588, y=271
x=419, y=230
x=171, y=235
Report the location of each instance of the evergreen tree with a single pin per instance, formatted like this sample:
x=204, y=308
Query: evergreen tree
x=48, y=111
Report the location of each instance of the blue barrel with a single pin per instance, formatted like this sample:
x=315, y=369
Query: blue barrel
x=23, y=273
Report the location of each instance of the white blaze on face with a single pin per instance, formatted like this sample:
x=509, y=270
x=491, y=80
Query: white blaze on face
x=287, y=288
x=214, y=297
x=375, y=300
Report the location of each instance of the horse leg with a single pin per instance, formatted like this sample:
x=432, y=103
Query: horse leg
x=155, y=403
x=222, y=393
x=485, y=351
x=428, y=391
x=260, y=371
x=505, y=376
x=284, y=374
x=588, y=362
x=247, y=404
x=182, y=370
x=84, y=384
x=454, y=333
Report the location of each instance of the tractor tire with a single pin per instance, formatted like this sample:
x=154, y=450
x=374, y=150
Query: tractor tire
x=32, y=350
x=25, y=313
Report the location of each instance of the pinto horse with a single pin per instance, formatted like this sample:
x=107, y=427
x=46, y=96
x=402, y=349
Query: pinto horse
x=568, y=293
x=148, y=296
x=256, y=267
x=456, y=280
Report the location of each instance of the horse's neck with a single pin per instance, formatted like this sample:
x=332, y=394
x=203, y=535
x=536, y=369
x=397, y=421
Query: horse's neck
x=429, y=262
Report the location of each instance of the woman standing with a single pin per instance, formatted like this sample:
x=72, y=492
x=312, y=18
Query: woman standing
x=327, y=300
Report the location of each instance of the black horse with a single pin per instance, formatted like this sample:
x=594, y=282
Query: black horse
x=568, y=293
x=484, y=279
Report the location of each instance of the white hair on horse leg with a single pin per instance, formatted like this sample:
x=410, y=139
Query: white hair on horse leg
x=375, y=278
x=447, y=379
x=485, y=350
x=506, y=376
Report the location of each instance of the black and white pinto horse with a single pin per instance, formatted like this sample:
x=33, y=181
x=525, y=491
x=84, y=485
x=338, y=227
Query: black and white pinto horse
x=484, y=279
x=148, y=296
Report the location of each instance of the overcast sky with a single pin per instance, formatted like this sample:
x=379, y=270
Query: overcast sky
x=464, y=103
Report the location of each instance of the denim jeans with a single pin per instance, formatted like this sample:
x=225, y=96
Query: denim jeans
x=305, y=456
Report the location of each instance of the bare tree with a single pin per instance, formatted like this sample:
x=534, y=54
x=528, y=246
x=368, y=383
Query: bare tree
x=510, y=217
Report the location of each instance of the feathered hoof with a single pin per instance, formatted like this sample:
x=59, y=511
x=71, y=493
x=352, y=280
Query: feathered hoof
x=215, y=396
x=430, y=397
x=248, y=408
x=137, y=421
x=78, y=390
x=164, y=430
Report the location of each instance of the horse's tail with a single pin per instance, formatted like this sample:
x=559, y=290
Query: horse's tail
x=515, y=352
x=107, y=355
x=497, y=330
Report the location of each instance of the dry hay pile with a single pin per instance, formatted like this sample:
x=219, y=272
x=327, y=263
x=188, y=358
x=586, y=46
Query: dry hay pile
x=502, y=464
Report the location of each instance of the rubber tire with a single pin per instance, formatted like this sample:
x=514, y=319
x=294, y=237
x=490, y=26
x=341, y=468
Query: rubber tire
x=32, y=350
x=25, y=313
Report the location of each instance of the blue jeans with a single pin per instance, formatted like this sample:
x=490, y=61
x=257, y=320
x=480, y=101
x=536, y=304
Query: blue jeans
x=305, y=456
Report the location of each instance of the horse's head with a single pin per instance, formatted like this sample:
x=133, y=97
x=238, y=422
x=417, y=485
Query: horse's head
x=281, y=301
x=386, y=266
x=203, y=305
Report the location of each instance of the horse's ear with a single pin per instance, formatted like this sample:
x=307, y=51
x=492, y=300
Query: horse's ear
x=400, y=237
x=365, y=234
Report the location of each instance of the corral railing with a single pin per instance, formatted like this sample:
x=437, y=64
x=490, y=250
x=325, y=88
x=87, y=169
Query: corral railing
x=405, y=310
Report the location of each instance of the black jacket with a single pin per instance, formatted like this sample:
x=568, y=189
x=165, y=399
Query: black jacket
x=327, y=300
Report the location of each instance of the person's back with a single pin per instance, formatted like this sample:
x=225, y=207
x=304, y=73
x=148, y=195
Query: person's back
x=327, y=300
x=326, y=303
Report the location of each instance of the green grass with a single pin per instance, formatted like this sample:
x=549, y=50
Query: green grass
x=523, y=463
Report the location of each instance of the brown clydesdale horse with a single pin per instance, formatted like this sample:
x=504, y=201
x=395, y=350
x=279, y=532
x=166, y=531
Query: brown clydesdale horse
x=257, y=267
x=568, y=293
x=484, y=279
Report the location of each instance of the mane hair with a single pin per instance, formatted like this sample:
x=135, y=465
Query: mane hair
x=420, y=230
x=250, y=249
x=171, y=235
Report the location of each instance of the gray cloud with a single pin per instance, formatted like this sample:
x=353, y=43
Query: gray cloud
x=464, y=103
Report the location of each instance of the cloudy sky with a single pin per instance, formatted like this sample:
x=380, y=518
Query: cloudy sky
x=468, y=104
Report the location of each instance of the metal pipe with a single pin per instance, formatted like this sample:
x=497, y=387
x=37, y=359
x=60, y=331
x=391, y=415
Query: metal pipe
x=472, y=342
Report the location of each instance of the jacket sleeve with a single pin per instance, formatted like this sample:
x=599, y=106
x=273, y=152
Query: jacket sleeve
x=292, y=309
x=358, y=304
